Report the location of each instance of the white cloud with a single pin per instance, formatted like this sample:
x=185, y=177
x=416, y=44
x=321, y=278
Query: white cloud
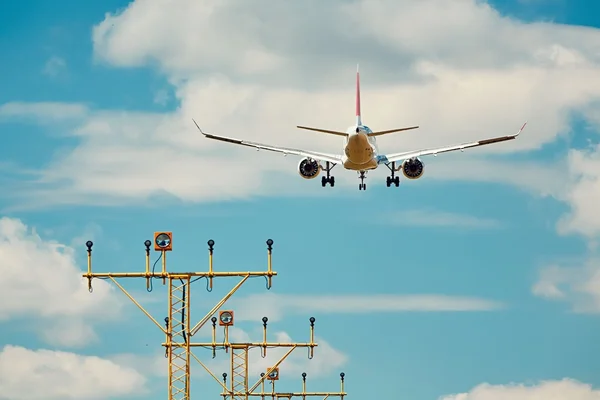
x=327, y=359
x=475, y=74
x=274, y=306
x=149, y=364
x=546, y=390
x=47, y=112
x=54, y=66
x=584, y=195
x=41, y=279
x=438, y=219
x=578, y=285
x=161, y=97
x=45, y=374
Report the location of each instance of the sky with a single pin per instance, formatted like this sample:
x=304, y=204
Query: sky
x=478, y=281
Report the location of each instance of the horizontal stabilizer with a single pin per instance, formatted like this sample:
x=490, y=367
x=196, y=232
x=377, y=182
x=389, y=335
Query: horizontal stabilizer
x=323, y=131
x=392, y=131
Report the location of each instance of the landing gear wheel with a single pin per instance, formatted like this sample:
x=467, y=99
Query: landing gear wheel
x=362, y=185
x=393, y=178
x=328, y=178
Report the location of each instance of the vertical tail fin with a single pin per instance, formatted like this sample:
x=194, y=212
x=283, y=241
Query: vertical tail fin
x=358, y=121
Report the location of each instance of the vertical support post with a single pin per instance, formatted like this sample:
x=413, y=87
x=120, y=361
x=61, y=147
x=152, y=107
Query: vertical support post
x=164, y=266
x=178, y=345
x=239, y=372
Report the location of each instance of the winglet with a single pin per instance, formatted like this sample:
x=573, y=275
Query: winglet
x=521, y=130
x=201, y=131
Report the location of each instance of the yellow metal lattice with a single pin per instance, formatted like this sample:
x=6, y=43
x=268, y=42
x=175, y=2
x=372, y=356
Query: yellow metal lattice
x=177, y=330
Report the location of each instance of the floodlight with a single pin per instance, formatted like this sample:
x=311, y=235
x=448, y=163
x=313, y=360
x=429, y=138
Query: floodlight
x=163, y=241
x=273, y=375
x=226, y=318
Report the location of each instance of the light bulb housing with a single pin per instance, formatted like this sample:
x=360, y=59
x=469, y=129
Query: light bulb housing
x=274, y=375
x=226, y=318
x=163, y=241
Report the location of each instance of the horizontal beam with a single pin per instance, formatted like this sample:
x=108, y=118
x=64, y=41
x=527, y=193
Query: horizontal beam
x=296, y=394
x=175, y=274
x=240, y=345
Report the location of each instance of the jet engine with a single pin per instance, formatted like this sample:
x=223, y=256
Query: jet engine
x=309, y=168
x=413, y=168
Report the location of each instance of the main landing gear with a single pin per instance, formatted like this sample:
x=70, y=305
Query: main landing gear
x=392, y=179
x=362, y=185
x=328, y=179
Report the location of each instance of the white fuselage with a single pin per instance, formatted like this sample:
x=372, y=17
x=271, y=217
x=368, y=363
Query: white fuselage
x=360, y=150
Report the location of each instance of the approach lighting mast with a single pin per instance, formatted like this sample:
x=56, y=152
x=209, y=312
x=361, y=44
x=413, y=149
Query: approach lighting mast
x=179, y=331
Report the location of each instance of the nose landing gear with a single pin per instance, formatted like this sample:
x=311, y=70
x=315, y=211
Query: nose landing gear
x=362, y=185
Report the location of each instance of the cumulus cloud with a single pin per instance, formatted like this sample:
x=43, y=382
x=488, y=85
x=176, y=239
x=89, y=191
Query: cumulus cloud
x=46, y=374
x=41, y=279
x=584, y=195
x=547, y=390
x=327, y=359
x=476, y=74
x=576, y=284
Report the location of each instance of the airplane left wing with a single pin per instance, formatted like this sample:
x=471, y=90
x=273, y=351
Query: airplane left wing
x=336, y=159
x=388, y=158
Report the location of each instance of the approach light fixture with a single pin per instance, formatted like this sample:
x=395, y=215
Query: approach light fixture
x=273, y=375
x=163, y=241
x=225, y=318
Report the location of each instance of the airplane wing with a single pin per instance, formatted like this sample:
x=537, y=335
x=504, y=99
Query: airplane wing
x=388, y=158
x=336, y=159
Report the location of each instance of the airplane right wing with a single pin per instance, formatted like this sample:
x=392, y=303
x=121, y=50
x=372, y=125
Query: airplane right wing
x=388, y=158
x=336, y=159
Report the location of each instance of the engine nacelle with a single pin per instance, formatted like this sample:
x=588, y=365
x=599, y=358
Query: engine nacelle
x=413, y=168
x=309, y=168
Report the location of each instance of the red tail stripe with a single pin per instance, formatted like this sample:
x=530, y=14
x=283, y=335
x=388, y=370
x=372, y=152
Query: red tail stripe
x=357, y=95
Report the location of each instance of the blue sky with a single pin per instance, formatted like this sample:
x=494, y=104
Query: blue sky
x=483, y=271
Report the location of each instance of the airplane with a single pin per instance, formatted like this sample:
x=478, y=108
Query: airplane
x=360, y=152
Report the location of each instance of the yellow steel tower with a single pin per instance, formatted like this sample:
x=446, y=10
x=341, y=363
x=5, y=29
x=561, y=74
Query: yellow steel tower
x=178, y=336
